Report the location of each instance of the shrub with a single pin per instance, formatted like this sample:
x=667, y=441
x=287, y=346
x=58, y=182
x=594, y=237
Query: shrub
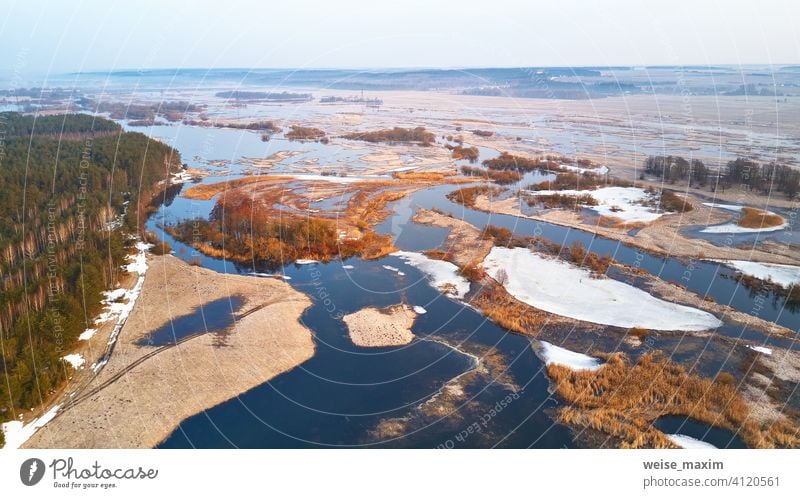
x=469, y=153
x=756, y=218
x=670, y=201
x=468, y=195
x=304, y=133
x=506, y=161
x=473, y=271
x=725, y=378
x=623, y=398
x=554, y=201
x=483, y=133
x=499, y=177
x=639, y=332
x=439, y=254
x=501, y=236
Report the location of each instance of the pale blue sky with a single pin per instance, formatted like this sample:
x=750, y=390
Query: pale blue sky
x=58, y=36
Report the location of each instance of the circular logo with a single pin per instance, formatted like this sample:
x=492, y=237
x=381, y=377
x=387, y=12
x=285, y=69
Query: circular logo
x=31, y=471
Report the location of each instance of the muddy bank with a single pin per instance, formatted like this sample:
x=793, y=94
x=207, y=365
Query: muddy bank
x=133, y=401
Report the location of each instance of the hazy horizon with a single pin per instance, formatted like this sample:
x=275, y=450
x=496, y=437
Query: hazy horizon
x=46, y=37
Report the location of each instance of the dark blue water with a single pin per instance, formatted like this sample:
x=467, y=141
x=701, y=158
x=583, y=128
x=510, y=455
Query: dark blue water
x=215, y=316
x=721, y=438
x=348, y=396
x=700, y=277
x=344, y=393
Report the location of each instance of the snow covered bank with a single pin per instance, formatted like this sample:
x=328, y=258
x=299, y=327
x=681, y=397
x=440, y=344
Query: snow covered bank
x=16, y=433
x=552, y=354
x=442, y=275
x=690, y=443
x=269, y=275
x=783, y=275
x=628, y=204
x=734, y=228
x=602, y=170
x=119, y=302
x=558, y=287
x=727, y=207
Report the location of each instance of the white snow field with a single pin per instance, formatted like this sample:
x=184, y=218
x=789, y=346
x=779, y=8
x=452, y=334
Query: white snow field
x=624, y=203
x=558, y=287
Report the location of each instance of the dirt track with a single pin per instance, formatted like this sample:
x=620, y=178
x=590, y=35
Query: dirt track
x=144, y=392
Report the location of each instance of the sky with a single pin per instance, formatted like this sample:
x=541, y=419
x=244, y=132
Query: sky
x=51, y=37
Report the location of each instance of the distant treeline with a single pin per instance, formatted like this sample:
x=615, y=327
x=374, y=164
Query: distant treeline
x=142, y=114
x=64, y=208
x=546, y=88
x=766, y=178
x=273, y=96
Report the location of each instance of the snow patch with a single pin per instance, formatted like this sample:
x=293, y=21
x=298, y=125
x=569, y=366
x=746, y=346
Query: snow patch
x=690, y=443
x=734, y=228
x=181, y=177
x=628, y=204
x=269, y=275
x=75, y=359
x=87, y=334
x=97, y=366
x=602, y=170
x=783, y=275
x=393, y=269
x=760, y=349
x=119, y=302
x=16, y=433
x=727, y=207
x=553, y=354
x=404, y=168
x=561, y=288
x=442, y=275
